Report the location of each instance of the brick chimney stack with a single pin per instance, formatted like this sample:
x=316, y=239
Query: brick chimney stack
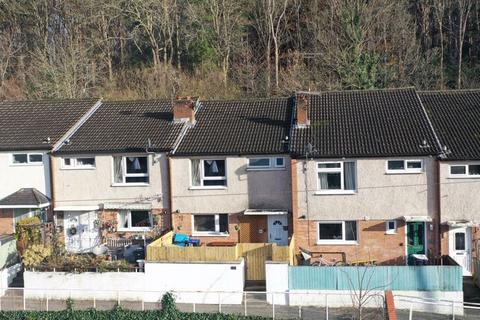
x=184, y=109
x=303, y=110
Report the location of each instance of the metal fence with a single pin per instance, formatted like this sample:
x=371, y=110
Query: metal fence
x=249, y=303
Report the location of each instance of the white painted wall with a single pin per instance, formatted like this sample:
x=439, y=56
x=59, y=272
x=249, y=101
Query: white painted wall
x=7, y=275
x=441, y=301
x=195, y=280
x=277, y=282
x=458, y=196
x=92, y=187
x=14, y=177
x=190, y=283
x=407, y=194
x=246, y=189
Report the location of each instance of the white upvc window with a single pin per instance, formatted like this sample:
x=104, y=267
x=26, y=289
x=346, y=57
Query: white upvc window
x=210, y=224
x=27, y=159
x=466, y=170
x=337, y=232
x=336, y=177
x=208, y=173
x=78, y=163
x=130, y=170
x=266, y=163
x=404, y=166
x=391, y=227
x=135, y=220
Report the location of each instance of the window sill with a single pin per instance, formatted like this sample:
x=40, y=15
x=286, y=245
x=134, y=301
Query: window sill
x=402, y=172
x=210, y=234
x=464, y=177
x=136, y=184
x=266, y=169
x=338, y=243
x=208, y=188
x=87, y=168
x=340, y=192
x=26, y=164
x=391, y=233
x=134, y=229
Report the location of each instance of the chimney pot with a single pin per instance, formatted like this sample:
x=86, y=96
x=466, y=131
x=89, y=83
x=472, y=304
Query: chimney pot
x=184, y=109
x=303, y=116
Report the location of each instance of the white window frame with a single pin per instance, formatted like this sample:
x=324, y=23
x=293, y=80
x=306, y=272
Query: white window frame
x=124, y=172
x=340, y=170
x=388, y=230
x=466, y=175
x=203, y=178
x=130, y=228
x=74, y=164
x=217, y=226
x=28, y=163
x=342, y=241
x=405, y=169
x=272, y=164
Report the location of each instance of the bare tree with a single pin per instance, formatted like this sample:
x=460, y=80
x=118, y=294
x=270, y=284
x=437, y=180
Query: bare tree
x=464, y=7
x=276, y=10
x=439, y=10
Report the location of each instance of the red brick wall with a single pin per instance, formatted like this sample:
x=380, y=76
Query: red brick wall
x=161, y=219
x=182, y=223
x=373, y=243
x=6, y=221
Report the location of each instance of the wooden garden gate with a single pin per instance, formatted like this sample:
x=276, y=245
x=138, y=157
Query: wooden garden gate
x=255, y=255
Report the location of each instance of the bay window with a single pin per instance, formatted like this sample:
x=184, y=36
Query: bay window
x=336, y=177
x=210, y=224
x=208, y=173
x=130, y=170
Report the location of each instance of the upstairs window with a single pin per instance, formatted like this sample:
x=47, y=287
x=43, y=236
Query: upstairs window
x=331, y=232
x=27, y=159
x=266, y=163
x=404, y=166
x=336, y=177
x=465, y=170
x=130, y=170
x=208, y=173
x=79, y=163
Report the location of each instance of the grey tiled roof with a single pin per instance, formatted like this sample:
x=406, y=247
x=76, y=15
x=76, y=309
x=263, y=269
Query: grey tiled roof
x=25, y=197
x=371, y=123
x=25, y=125
x=239, y=127
x=126, y=126
x=456, y=118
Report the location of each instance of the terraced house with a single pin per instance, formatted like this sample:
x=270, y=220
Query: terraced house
x=111, y=176
x=231, y=173
x=28, y=132
x=364, y=177
x=456, y=119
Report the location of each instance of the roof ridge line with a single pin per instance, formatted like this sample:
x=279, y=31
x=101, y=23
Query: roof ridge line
x=356, y=90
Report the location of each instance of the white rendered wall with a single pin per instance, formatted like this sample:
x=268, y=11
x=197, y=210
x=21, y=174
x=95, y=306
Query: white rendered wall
x=14, y=177
x=276, y=282
x=209, y=283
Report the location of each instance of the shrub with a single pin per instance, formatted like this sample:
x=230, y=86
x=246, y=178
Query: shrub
x=35, y=254
x=27, y=232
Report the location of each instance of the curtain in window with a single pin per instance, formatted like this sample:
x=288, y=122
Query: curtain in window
x=117, y=170
x=323, y=180
x=350, y=183
x=195, y=172
x=124, y=219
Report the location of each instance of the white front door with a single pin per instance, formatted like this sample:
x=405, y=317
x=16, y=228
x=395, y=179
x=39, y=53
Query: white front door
x=81, y=231
x=278, y=229
x=460, y=243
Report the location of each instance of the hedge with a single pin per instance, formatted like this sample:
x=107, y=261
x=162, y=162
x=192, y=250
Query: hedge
x=118, y=314
x=169, y=311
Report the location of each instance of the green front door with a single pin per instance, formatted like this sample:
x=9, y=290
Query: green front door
x=415, y=239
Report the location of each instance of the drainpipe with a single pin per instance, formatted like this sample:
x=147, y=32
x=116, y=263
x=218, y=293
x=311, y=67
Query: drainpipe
x=170, y=195
x=438, y=235
x=52, y=185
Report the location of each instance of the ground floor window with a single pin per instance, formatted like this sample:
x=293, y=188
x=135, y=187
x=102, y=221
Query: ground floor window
x=210, y=224
x=332, y=232
x=391, y=227
x=135, y=220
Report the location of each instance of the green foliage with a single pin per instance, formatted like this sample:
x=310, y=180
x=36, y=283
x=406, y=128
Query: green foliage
x=168, y=312
x=27, y=232
x=35, y=254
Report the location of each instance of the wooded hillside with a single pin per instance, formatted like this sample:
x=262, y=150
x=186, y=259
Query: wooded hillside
x=125, y=49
